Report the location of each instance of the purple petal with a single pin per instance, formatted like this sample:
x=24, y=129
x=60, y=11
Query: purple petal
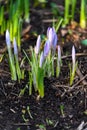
x=55, y=41
x=41, y=59
x=52, y=37
x=8, y=39
x=37, y=47
x=46, y=48
x=15, y=47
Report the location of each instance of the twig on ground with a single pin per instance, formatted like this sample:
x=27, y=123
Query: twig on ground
x=21, y=124
x=82, y=78
x=78, y=54
x=80, y=127
x=80, y=81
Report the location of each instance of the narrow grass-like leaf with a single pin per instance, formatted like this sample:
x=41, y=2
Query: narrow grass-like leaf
x=83, y=14
x=26, y=10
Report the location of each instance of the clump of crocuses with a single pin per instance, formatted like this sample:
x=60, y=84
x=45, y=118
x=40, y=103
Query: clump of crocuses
x=16, y=72
x=49, y=51
x=42, y=61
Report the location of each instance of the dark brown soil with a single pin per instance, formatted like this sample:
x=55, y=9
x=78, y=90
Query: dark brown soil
x=63, y=107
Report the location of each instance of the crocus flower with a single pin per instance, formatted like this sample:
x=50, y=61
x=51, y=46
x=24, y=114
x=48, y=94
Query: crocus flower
x=73, y=57
x=52, y=37
x=15, y=47
x=50, y=34
x=8, y=39
x=37, y=47
x=74, y=66
x=41, y=59
x=46, y=48
x=55, y=41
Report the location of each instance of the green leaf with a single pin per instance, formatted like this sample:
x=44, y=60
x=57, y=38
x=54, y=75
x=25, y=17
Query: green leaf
x=84, y=42
x=41, y=82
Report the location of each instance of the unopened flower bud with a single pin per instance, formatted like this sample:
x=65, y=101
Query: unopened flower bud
x=8, y=39
x=37, y=47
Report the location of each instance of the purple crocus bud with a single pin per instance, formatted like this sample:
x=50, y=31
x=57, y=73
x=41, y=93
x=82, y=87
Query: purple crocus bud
x=73, y=56
x=52, y=36
x=59, y=55
x=15, y=47
x=46, y=48
x=8, y=39
x=55, y=41
x=37, y=47
x=41, y=59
